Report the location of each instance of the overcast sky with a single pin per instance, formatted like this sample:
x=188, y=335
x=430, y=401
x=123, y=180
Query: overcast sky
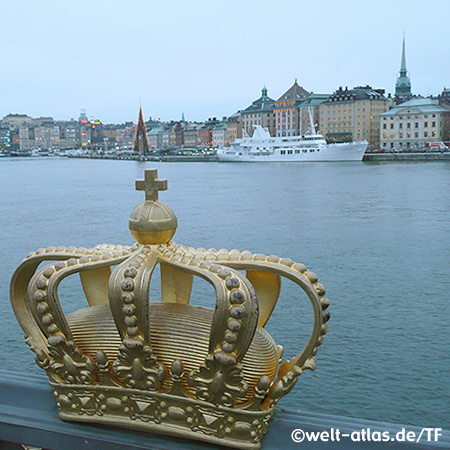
x=209, y=58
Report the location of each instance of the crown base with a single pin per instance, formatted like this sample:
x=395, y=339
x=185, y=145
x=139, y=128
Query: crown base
x=162, y=414
x=153, y=237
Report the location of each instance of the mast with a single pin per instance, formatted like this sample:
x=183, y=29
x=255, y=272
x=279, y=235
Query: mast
x=311, y=120
x=301, y=122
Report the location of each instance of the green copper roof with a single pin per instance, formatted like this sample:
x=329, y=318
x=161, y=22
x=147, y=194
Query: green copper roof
x=403, y=84
x=262, y=104
x=415, y=106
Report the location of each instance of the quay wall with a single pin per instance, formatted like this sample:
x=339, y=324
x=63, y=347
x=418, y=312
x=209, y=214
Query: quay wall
x=166, y=158
x=425, y=156
x=368, y=157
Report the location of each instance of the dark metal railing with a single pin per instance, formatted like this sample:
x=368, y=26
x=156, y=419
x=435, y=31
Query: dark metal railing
x=28, y=415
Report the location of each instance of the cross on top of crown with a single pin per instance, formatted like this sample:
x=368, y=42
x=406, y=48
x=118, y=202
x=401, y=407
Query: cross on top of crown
x=151, y=184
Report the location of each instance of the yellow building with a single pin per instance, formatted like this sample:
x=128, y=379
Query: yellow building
x=353, y=115
x=234, y=127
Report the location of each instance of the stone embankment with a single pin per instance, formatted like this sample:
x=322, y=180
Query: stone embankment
x=418, y=156
x=166, y=158
x=368, y=157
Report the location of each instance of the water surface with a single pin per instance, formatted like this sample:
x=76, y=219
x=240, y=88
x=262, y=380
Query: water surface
x=378, y=236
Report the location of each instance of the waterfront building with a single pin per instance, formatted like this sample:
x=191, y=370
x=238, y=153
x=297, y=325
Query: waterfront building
x=24, y=139
x=84, y=130
x=172, y=138
x=14, y=139
x=310, y=105
x=110, y=135
x=125, y=135
x=70, y=135
x=46, y=121
x=5, y=140
x=353, y=115
x=286, y=111
x=164, y=136
x=47, y=137
x=219, y=133
x=413, y=123
x=260, y=112
x=403, y=85
x=190, y=135
x=154, y=137
x=16, y=121
x=178, y=131
x=140, y=141
x=444, y=98
x=204, y=133
x=204, y=136
x=96, y=127
x=234, y=127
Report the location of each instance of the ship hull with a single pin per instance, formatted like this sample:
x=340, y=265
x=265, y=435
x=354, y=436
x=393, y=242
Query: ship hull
x=353, y=151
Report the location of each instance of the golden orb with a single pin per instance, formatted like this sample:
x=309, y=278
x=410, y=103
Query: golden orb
x=153, y=222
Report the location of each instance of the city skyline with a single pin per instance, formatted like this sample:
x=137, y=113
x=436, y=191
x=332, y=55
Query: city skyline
x=208, y=59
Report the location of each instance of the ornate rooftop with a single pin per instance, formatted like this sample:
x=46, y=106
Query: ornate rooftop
x=262, y=104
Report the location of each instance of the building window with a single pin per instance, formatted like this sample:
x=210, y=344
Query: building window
x=416, y=134
x=425, y=133
x=400, y=125
x=425, y=124
x=392, y=126
x=289, y=152
x=408, y=125
x=283, y=152
x=433, y=124
x=417, y=125
x=384, y=126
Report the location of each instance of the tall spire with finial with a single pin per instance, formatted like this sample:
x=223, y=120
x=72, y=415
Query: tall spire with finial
x=403, y=85
x=403, y=70
x=141, y=144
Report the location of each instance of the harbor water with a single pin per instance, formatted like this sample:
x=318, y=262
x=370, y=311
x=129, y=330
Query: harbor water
x=377, y=234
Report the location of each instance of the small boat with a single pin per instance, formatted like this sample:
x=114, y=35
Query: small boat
x=21, y=153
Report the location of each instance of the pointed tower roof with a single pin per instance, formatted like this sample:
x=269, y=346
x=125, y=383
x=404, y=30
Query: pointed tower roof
x=141, y=144
x=403, y=85
x=295, y=92
x=403, y=70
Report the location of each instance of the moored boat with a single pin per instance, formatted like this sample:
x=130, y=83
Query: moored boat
x=261, y=147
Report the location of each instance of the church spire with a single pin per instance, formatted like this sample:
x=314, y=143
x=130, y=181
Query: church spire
x=403, y=70
x=141, y=144
x=403, y=85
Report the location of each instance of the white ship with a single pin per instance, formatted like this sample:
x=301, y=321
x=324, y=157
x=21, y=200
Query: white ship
x=310, y=147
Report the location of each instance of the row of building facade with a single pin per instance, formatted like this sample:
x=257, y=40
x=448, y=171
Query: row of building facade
x=362, y=113
x=22, y=132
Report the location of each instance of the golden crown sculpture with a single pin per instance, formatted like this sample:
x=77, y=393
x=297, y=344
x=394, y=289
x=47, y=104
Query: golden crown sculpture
x=167, y=366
